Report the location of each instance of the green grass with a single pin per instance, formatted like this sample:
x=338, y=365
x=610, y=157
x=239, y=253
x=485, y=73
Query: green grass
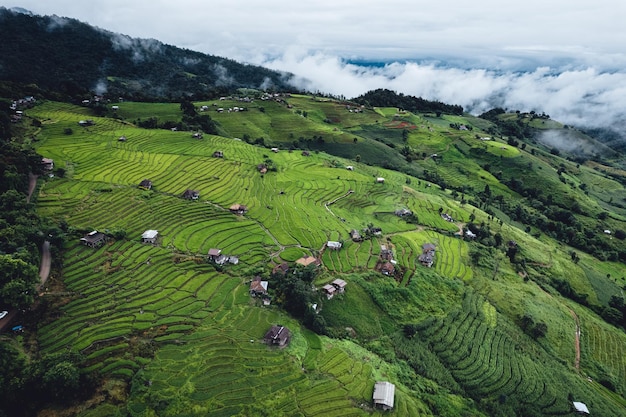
x=201, y=320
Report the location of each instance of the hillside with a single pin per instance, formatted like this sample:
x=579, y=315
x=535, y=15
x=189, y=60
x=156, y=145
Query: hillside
x=490, y=329
x=70, y=58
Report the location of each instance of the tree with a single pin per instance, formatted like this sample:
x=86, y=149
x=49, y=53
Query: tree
x=60, y=379
x=17, y=282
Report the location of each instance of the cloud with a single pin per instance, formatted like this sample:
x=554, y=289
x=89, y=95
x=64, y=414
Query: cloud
x=581, y=97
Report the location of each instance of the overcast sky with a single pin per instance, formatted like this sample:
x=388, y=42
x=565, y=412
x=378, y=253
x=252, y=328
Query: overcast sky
x=564, y=57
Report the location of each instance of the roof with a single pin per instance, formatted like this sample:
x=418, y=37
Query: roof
x=384, y=393
x=333, y=245
x=308, y=260
x=328, y=288
x=189, y=193
x=339, y=283
x=426, y=247
x=277, y=334
x=238, y=207
x=214, y=252
x=581, y=407
x=93, y=237
x=258, y=286
x=282, y=267
x=149, y=234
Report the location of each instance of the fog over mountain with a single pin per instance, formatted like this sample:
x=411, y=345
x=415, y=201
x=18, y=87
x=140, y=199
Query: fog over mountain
x=576, y=96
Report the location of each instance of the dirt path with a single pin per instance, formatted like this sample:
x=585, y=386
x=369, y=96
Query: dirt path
x=32, y=183
x=328, y=203
x=577, y=360
x=46, y=261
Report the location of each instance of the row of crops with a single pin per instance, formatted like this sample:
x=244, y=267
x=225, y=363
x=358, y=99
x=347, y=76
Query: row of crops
x=223, y=369
x=488, y=363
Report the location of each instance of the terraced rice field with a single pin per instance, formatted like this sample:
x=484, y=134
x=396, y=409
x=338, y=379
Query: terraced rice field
x=488, y=363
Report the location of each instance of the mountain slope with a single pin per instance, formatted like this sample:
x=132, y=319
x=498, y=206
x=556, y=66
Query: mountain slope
x=65, y=55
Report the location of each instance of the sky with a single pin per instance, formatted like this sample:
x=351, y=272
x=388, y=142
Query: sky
x=566, y=58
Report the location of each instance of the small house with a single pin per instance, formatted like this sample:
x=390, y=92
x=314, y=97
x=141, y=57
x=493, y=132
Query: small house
x=306, y=153
x=380, y=180
x=308, y=260
x=281, y=268
x=403, y=212
x=340, y=285
x=428, y=254
x=329, y=290
x=197, y=135
x=385, y=253
x=387, y=268
x=47, y=164
x=191, y=194
x=238, y=209
x=384, y=393
x=214, y=254
x=355, y=235
x=218, y=154
x=121, y=139
x=234, y=260
x=262, y=168
x=93, y=239
x=333, y=245
x=258, y=288
x=115, y=107
x=145, y=184
x=350, y=168
x=149, y=236
x=275, y=150
x=277, y=335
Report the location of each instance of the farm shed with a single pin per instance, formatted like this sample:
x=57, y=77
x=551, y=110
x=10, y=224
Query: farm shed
x=340, y=285
x=581, y=408
x=428, y=254
x=384, y=393
x=47, y=164
x=191, y=194
x=215, y=255
x=333, y=245
x=329, y=290
x=380, y=180
x=149, y=236
x=385, y=253
x=218, y=154
x=277, y=335
x=239, y=209
x=387, y=268
x=93, y=239
x=258, y=287
x=355, y=235
x=145, y=184
x=281, y=268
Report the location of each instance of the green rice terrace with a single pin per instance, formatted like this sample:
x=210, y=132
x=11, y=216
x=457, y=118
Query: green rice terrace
x=500, y=319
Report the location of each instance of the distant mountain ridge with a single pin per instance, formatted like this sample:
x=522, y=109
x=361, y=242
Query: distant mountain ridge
x=71, y=57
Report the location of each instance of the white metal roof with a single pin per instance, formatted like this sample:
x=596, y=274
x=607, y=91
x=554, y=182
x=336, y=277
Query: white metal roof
x=384, y=393
x=149, y=234
x=581, y=407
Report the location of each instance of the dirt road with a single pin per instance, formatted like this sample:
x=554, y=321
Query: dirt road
x=32, y=183
x=46, y=261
